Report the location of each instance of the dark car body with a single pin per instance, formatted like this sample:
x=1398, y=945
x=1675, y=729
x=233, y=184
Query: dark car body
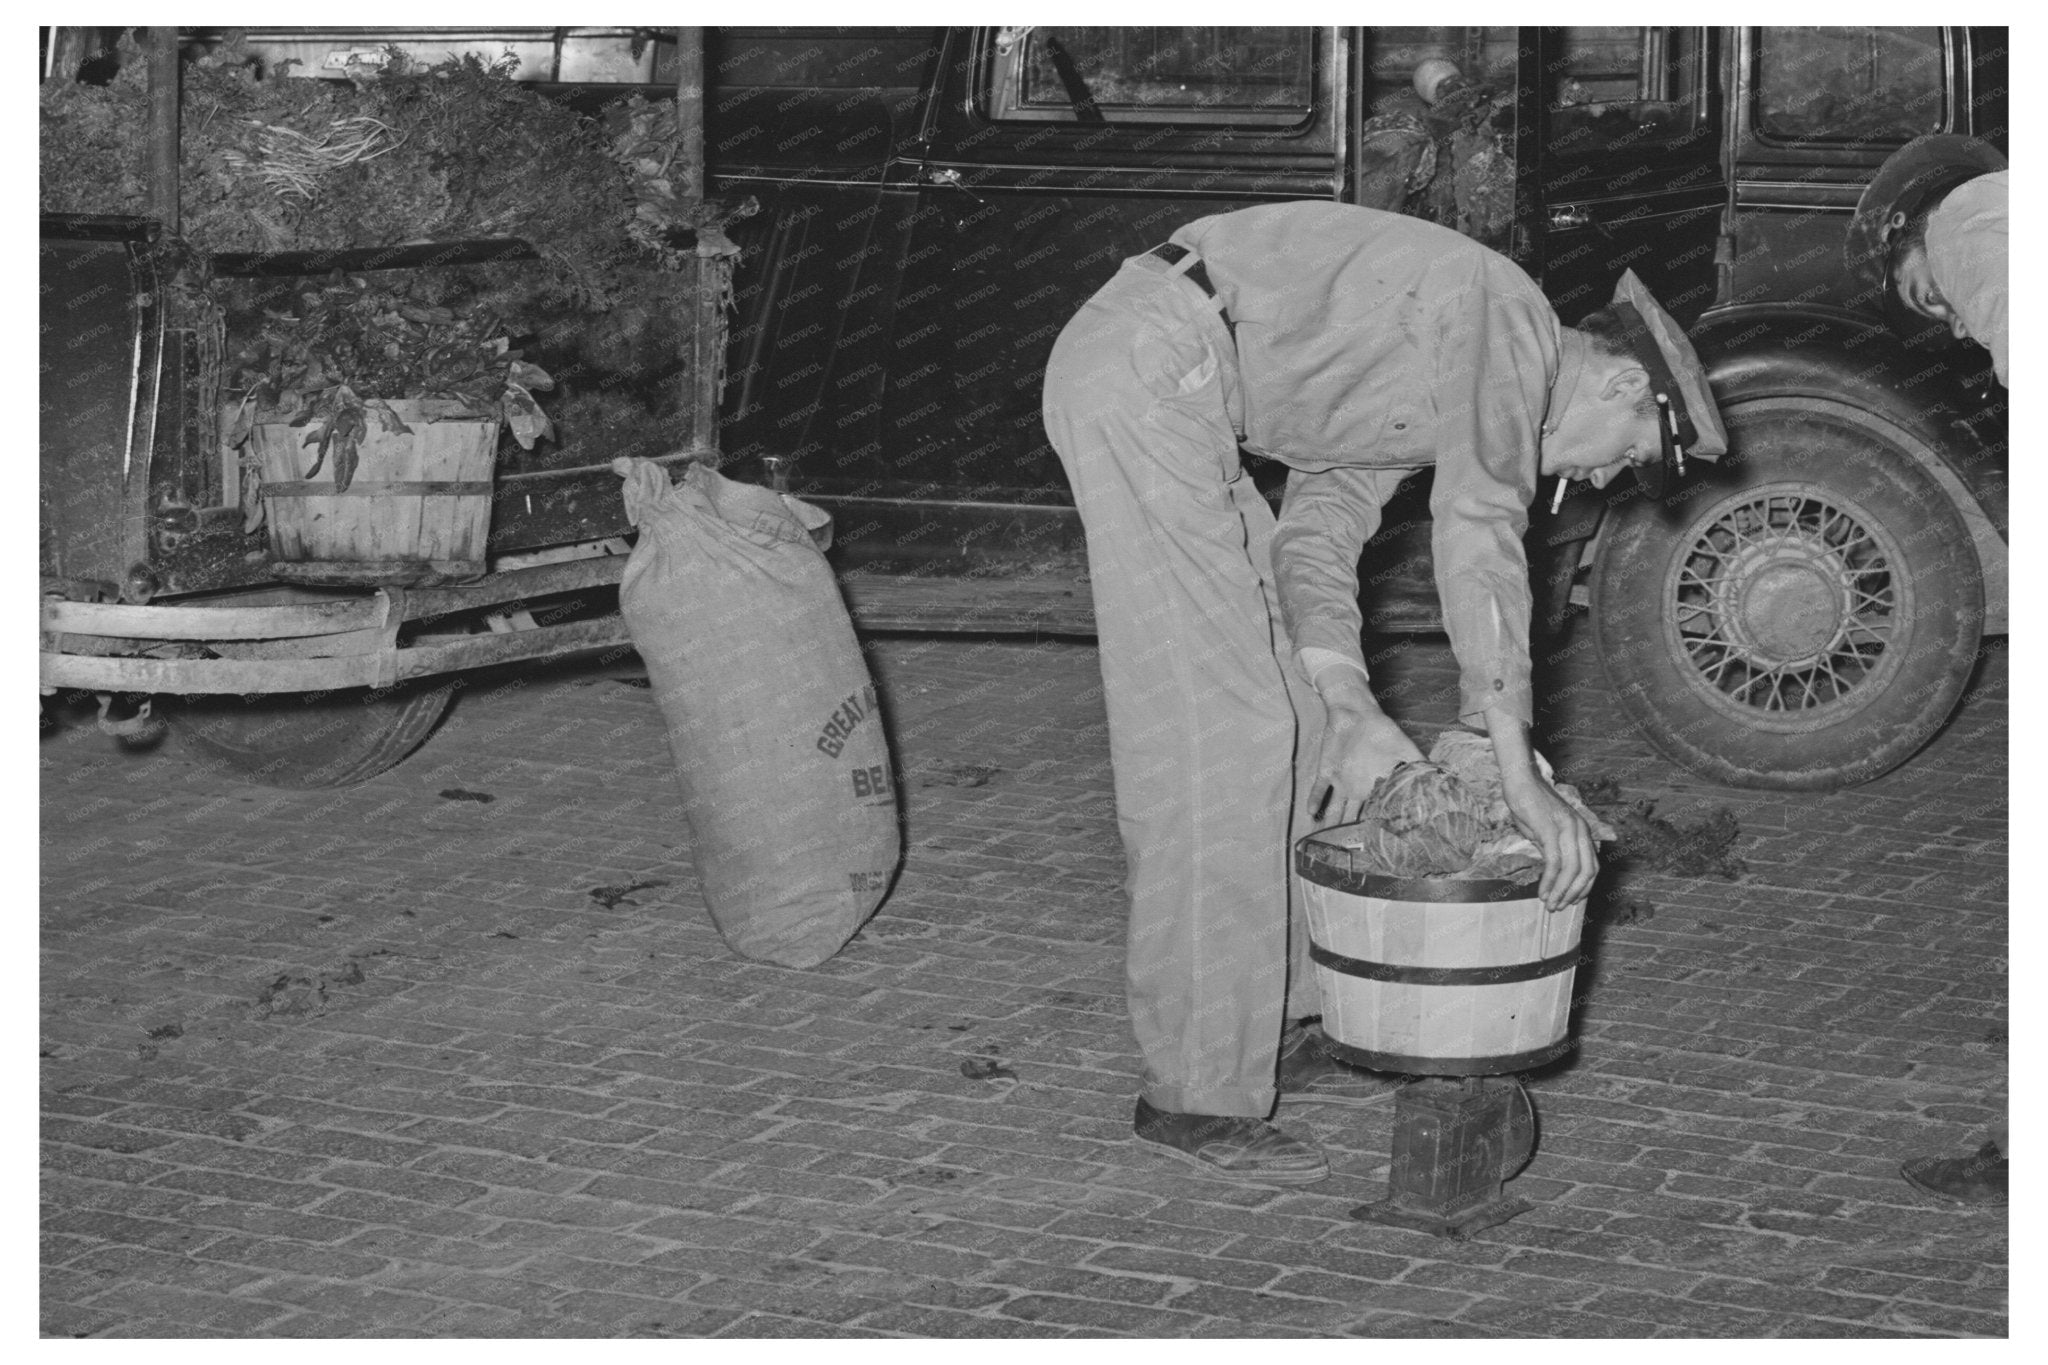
x=926, y=232
x=935, y=204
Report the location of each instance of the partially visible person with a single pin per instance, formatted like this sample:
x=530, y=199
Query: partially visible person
x=1930, y=234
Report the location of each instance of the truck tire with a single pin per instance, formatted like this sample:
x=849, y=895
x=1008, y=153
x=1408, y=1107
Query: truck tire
x=289, y=740
x=1805, y=617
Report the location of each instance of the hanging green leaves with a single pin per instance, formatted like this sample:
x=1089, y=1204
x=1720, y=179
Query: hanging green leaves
x=350, y=337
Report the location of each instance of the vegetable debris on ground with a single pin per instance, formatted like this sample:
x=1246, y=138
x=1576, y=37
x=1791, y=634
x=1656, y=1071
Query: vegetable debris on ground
x=1647, y=842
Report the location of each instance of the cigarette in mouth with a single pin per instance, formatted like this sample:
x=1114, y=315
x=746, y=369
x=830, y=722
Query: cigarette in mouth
x=1557, y=499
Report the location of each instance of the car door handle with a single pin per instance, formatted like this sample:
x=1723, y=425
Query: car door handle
x=1570, y=216
x=952, y=179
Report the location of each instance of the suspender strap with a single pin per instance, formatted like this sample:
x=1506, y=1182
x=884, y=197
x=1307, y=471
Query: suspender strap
x=1187, y=263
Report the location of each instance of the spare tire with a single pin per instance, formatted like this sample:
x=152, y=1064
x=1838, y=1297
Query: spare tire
x=1803, y=617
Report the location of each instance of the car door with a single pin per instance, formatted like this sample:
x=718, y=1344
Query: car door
x=820, y=126
x=1627, y=166
x=1057, y=153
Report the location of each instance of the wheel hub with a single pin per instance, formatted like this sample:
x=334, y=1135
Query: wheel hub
x=1785, y=601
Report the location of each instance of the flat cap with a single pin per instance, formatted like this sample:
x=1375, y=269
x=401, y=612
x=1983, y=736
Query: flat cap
x=1688, y=419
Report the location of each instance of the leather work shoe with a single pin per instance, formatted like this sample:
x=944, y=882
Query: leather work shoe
x=1310, y=1075
x=1979, y=1179
x=1243, y=1149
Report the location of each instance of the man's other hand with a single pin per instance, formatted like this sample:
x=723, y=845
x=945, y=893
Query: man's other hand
x=1360, y=746
x=1570, y=860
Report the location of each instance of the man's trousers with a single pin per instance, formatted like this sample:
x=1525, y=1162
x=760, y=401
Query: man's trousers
x=1207, y=711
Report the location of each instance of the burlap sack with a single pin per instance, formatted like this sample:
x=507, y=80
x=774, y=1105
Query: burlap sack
x=771, y=714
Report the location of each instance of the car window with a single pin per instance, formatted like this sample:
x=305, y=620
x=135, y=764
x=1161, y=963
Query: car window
x=1204, y=76
x=1849, y=84
x=1621, y=86
x=1483, y=55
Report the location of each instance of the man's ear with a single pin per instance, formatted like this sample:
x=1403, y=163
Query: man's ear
x=1628, y=383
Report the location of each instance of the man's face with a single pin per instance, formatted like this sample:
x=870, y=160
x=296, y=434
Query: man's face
x=1601, y=433
x=1913, y=278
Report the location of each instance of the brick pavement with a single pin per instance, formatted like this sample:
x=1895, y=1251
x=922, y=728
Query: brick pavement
x=386, y=1062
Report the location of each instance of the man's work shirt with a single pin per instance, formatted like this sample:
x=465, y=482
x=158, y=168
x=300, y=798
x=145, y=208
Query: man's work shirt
x=1370, y=341
x=1966, y=251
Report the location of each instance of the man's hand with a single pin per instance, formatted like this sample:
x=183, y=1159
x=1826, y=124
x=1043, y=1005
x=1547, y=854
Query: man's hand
x=1358, y=750
x=1360, y=746
x=1570, y=860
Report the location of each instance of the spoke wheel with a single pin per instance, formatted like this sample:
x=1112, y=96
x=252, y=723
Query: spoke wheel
x=1806, y=617
x=1787, y=603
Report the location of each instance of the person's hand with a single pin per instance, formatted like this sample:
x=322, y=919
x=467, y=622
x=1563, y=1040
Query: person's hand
x=1360, y=746
x=1570, y=860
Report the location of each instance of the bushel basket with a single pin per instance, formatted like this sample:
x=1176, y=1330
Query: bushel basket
x=1436, y=976
x=417, y=512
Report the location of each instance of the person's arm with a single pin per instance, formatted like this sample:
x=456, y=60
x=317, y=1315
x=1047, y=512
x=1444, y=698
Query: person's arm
x=1493, y=385
x=1495, y=360
x=1325, y=520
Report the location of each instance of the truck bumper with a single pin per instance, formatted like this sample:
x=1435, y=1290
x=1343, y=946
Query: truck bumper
x=355, y=641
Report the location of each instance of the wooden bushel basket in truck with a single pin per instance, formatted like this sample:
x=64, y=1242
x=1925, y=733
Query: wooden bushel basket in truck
x=419, y=509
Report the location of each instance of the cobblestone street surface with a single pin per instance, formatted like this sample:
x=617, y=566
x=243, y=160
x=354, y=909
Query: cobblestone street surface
x=456, y=1052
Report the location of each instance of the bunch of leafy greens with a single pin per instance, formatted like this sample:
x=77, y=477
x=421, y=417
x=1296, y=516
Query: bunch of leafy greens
x=349, y=346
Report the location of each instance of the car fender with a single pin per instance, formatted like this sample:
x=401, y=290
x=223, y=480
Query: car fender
x=1957, y=432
